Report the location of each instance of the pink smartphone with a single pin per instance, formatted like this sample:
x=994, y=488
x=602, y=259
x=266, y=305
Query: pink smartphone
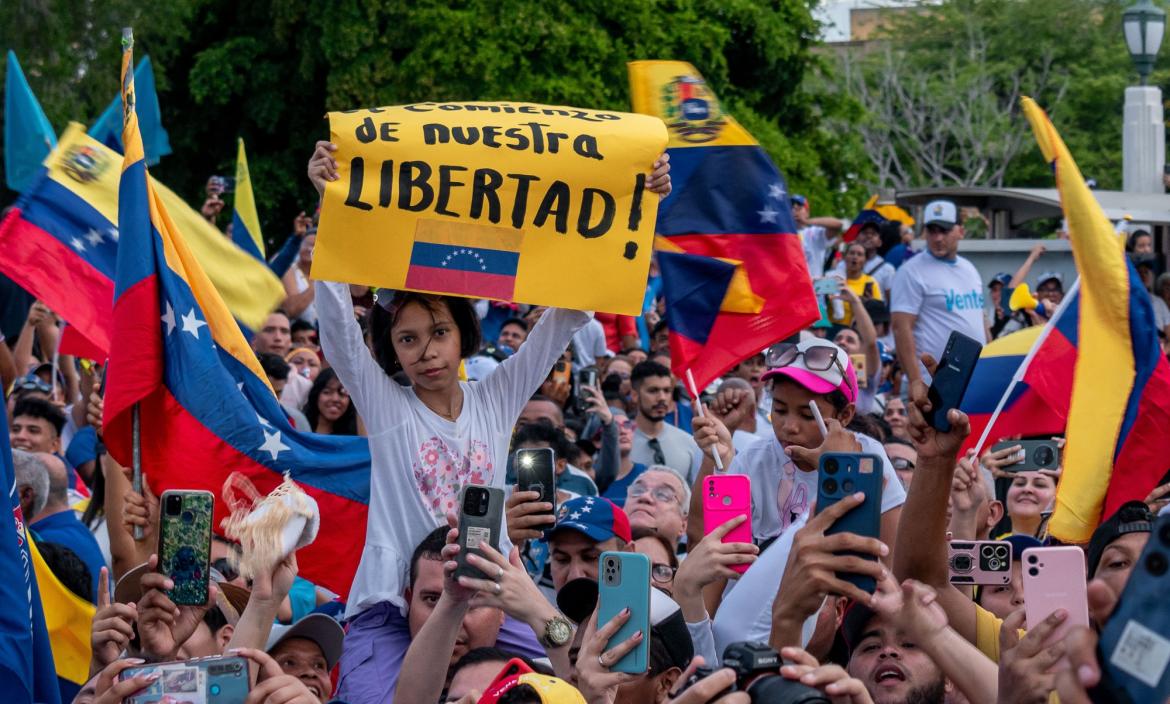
x=1054, y=578
x=726, y=496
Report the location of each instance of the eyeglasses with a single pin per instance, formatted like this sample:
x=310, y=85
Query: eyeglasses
x=628, y=424
x=661, y=494
x=662, y=573
x=902, y=464
x=817, y=358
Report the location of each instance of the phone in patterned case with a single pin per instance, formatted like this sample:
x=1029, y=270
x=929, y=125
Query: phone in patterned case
x=184, y=544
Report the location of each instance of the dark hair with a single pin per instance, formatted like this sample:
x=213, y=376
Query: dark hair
x=891, y=234
x=273, y=365
x=68, y=568
x=431, y=548
x=518, y=322
x=34, y=407
x=301, y=324
x=893, y=440
x=645, y=370
x=478, y=656
x=660, y=659
x=214, y=619
x=866, y=424
x=521, y=694
x=542, y=431
x=1131, y=241
x=660, y=327
x=382, y=322
x=639, y=532
x=346, y=424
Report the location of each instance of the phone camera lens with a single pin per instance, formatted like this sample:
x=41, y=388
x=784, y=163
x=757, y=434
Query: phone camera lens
x=988, y=550
x=1156, y=564
x=847, y=486
x=1033, y=571
x=1001, y=552
x=1044, y=456
x=961, y=563
x=993, y=565
x=830, y=486
x=1032, y=559
x=174, y=505
x=831, y=466
x=188, y=517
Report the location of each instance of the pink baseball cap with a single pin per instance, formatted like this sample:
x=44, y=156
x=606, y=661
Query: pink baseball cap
x=828, y=370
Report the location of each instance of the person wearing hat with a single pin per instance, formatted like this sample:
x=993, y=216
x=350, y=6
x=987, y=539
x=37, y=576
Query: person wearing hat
x=871, y=264
x=934, y=296
x=1002, y=320
x=308, y=649
x=586, y=527
x=817, y=235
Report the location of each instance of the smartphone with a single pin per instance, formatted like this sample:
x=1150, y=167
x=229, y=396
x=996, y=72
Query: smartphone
x=828, y=286
x=1134, y=648
x=1034, y=455
x=219, y=678
x=859, y=366
x=1054, y=577
x=980, y=562
x=841, y=474
x=481, y=512
x=868, y=292
x=726, y=496
x=184, y=544
x=585, y=377
x=951, y=379
x=536, y=471
x=625, y=583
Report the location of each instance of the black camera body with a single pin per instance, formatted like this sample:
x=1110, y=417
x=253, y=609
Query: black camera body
x=757, y=672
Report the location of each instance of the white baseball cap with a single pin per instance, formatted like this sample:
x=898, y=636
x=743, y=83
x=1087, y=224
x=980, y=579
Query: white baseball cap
x=942, y=213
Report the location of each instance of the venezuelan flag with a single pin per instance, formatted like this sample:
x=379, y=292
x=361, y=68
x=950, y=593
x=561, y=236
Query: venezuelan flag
x=60, y=242
x=464, y=260
x=68, y=619
x=733, y=270
x=1119, y=414
x=245, y=221
x=206, y=407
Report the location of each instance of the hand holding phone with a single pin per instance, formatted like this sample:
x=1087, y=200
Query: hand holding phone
x=184, y=544
x=480, y=521
x=536, y=471
x=625, y=584
x=980, y=562
x=219, y=678
x=840, y=475
x=951, y=378
x=1054, y=578
x=1033, y=456
x=726, y=496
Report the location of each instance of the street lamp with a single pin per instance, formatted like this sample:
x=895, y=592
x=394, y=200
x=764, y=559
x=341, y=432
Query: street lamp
x=1143, y=132
x=1144, y=25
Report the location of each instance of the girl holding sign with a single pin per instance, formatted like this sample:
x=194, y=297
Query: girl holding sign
x=434, y=436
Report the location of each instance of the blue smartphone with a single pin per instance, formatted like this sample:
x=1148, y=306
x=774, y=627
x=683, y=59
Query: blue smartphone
x=1134, y=649
x=625, y=583
x=841, y=474
x=951, y=377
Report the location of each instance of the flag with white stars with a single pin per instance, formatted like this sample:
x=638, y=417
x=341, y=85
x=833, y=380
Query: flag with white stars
x=206, y=406
x=733, y=270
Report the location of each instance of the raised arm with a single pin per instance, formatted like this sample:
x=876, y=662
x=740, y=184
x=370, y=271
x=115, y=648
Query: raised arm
x=1021, y=274
x=865, y=330
x=295, y=301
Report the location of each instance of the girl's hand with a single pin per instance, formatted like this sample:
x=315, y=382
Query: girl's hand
x=322, y=166
x=659, y=181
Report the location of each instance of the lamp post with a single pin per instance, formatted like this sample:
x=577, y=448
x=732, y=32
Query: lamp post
x=1143, y=137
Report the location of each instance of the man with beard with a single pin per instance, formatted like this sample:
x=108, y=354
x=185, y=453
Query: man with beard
x=893, y=669
x=655, y=441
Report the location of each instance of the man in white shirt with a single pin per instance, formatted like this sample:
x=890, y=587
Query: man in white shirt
x=935, y=294
x=656, y=441
x=589, y=344
x=817, y=235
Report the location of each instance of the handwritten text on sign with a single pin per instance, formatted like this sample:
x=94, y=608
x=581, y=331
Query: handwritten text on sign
x=530, y=203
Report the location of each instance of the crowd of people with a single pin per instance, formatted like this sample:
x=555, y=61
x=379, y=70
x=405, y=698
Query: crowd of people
x=446, y=389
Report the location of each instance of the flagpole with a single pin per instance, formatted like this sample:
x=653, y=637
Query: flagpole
x=136, y=462
x=699, y=410
x=1023, y=368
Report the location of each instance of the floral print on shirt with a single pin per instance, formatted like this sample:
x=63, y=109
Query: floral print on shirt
x=442, y=471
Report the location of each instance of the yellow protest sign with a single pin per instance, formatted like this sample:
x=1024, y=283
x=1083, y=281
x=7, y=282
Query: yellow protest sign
x=510, y=201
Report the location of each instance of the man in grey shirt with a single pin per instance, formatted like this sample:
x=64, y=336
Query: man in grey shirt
x=655, y=441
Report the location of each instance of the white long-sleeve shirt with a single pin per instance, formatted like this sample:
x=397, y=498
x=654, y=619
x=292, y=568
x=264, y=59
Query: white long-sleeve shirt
x=421, y=461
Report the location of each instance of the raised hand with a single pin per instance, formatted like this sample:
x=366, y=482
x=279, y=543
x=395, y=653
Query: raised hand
x=140, y=510
x=162, y=626
x=526, y=515
x=273, y=686
x=659, y=181
x=833, y=680
x=594, y=679
x=109, y=690
x=839, y=440
x=113, y=626
x=322, y=165
x=711, y=559
x=733, y=406
x=710, y=431
x=912, y=605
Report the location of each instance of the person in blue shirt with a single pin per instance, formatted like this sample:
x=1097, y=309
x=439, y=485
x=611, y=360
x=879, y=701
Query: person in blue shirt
x=56, y=522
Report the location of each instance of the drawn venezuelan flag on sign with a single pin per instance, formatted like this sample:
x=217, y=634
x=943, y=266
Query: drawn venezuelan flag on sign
x=464, y=259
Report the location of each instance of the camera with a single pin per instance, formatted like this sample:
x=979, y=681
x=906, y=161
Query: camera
x=757, y=672
x=831, y=466
x=475, y=501
x=174, y=505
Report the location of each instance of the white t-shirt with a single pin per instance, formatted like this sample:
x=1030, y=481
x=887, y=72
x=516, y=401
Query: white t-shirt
x=767, y=466
x=745, y=613
x=815, y=241
x=421, y=461
x=589, y=344
x=309, y=314
x=945, y=295
x=877, y=267
x=678, y=448
x=1161, y=313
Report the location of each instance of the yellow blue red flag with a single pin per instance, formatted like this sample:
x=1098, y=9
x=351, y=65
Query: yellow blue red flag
x=733, y=271
x=245, y=221
x=206, y=407
x=1119, y=414
x=68, y=619
x=60, y=243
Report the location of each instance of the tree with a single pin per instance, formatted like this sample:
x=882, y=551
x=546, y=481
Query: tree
x=941, y=91
x=269, y=70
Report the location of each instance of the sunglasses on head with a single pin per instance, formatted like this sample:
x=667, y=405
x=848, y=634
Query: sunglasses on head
x=902, y=464
x=32, y=385
x=817, y=358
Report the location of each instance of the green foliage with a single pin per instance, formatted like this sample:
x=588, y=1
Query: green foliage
x=269, y=70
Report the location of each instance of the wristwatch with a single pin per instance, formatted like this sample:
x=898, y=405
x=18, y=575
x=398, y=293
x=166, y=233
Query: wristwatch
x=558, y=631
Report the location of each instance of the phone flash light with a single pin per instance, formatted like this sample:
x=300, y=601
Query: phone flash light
x=526, y=461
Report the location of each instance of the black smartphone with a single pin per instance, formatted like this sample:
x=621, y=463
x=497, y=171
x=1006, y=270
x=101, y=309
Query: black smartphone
x=951, y=378
x=1034, y=455
x=1134, y=649
x=536, y=471
x=481, y=518
x=585, y=377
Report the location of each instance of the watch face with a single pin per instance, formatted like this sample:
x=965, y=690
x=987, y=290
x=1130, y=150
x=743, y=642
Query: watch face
x=559, y=631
